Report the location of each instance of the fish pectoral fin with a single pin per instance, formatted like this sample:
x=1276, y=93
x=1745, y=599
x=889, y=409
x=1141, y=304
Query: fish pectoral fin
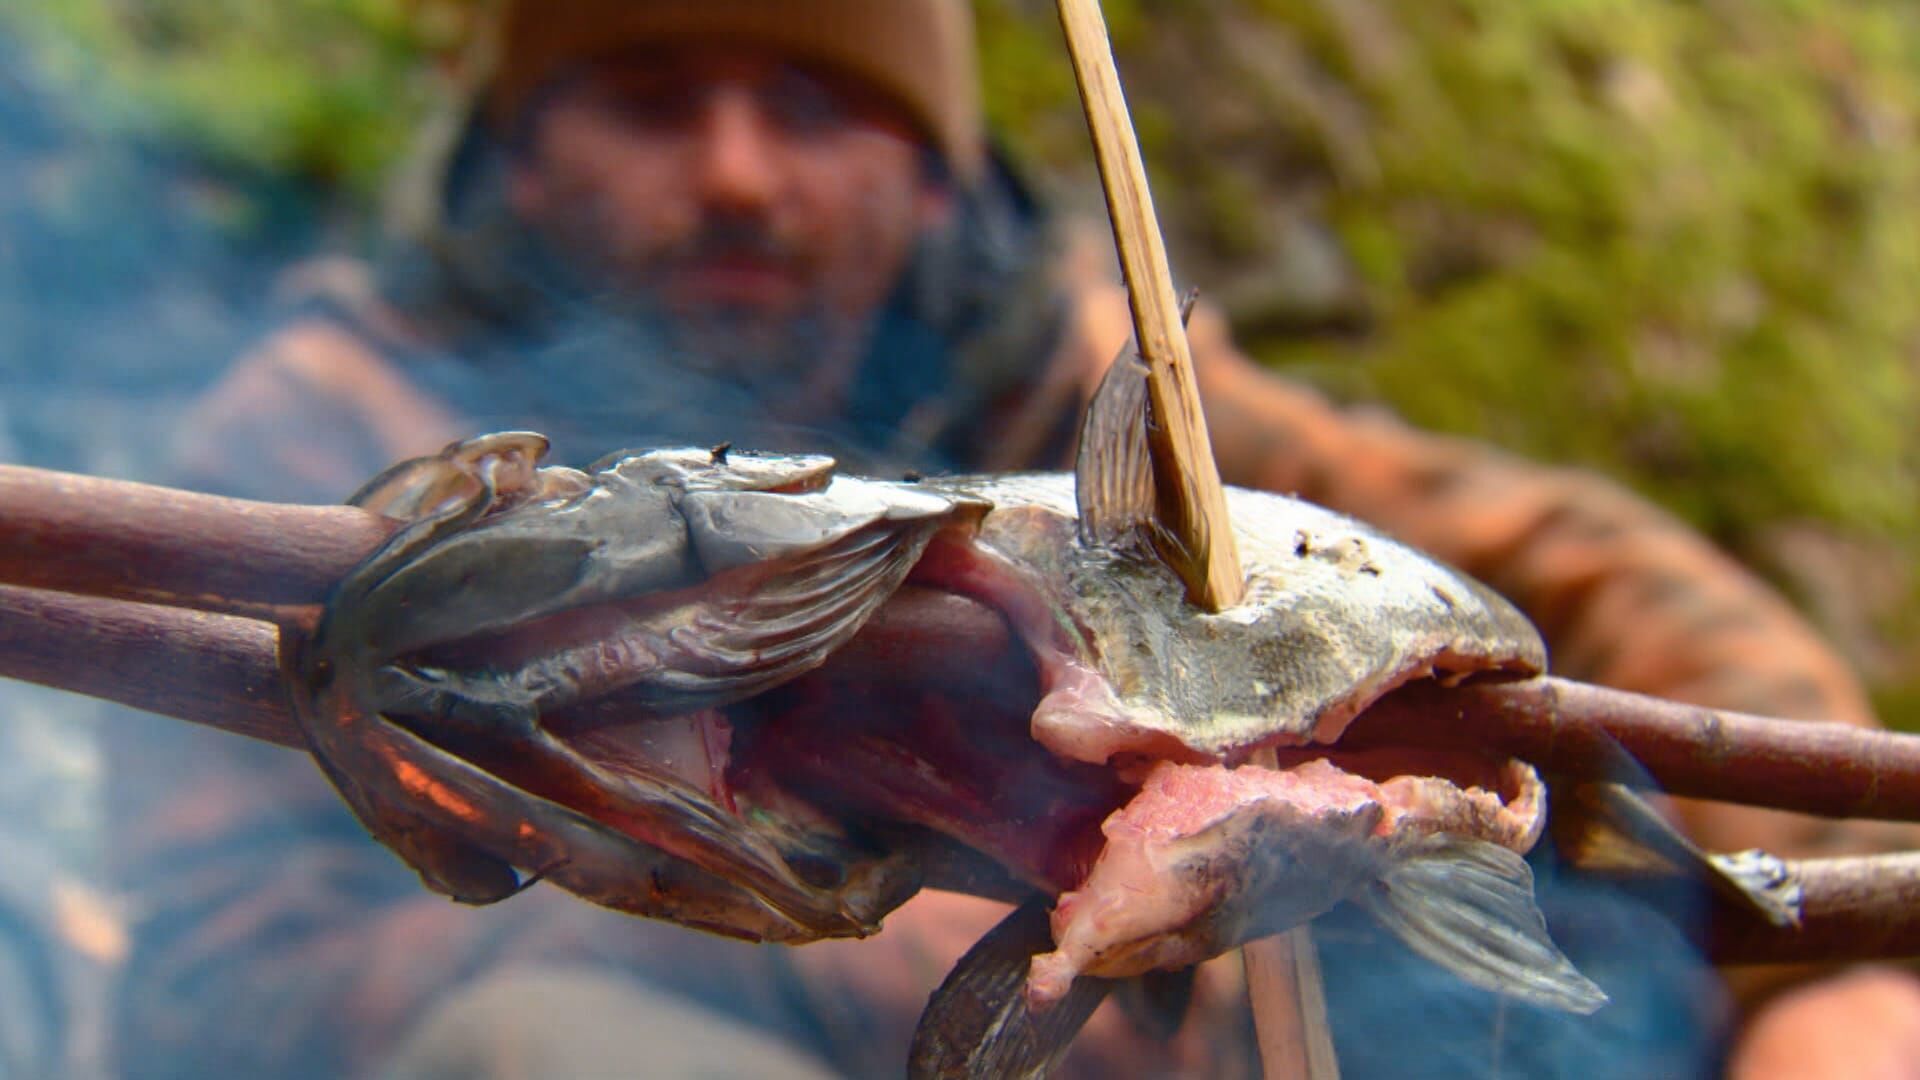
x=744, y=640
x=455, y=703
x=1113, y=472
x=979, y=1023
x=1468, y=906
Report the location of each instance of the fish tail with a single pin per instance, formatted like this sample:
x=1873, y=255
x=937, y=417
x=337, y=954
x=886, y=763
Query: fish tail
x=1468, y=906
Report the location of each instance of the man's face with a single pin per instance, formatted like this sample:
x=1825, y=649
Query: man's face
x=726, y=188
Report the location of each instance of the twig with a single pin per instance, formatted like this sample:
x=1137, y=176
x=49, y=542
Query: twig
x=1592, y=732
x=222, y=671
x=216, y=670
x=1193, y=505
x=1854, y=909
x=111, y=538
x=1283, y=978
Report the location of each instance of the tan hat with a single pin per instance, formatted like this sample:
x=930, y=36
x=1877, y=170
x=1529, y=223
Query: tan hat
x=921, y=52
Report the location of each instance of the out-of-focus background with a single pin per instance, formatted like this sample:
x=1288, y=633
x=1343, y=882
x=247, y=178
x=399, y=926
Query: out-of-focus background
x=1676, y=242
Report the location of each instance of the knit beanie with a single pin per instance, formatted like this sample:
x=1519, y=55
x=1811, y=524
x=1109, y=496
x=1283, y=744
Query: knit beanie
x=918, y=52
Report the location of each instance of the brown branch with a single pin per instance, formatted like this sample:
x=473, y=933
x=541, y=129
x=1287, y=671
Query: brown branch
x=1855, y=909
x=130, y=540
x=1573, y=729
x=222, y=671
x=217, y=670
x=112, y=538
x=133, y=541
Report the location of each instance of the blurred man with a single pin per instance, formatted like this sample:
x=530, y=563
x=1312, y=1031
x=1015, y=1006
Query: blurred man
x=780, y=224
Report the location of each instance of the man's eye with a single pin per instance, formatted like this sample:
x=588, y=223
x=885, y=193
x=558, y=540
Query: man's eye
x=799, y=103
x=662, y=108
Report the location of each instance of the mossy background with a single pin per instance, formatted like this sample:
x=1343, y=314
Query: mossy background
x=1678, y=242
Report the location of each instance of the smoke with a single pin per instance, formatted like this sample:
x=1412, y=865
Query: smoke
x=1395, y=1014
x=130, y=273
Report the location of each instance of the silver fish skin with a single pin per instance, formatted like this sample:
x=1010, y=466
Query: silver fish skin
x=1335, y=615
x=714, y=575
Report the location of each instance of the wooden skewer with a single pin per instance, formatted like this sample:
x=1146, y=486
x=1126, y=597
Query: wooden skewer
x=128, y=541
x=1193, y=505
x=1283, y=981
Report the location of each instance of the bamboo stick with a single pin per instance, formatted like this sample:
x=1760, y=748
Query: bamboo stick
x=1193, y=505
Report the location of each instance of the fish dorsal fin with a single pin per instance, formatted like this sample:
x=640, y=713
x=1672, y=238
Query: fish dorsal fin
x=1113, y=472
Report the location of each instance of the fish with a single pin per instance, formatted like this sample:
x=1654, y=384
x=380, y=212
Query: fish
x=621, y=680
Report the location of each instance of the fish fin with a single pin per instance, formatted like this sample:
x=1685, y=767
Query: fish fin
x=499, y=733
x=1113, y=471
x=1468, y=906
x=759, y=630
x=1608, y=827
x=979, y=1022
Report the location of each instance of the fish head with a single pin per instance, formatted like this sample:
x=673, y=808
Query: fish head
x=529, y=681
x=519, y=544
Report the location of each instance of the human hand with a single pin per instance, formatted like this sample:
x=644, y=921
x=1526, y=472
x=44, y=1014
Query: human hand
x=1864, y=1025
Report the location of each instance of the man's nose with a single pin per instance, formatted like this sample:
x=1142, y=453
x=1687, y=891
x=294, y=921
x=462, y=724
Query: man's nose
x=738, y=155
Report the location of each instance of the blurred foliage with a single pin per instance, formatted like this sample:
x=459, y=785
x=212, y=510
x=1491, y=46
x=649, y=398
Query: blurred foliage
x=1674, y=241
x=325, y=90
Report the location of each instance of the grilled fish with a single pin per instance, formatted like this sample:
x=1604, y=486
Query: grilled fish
x=621, y=680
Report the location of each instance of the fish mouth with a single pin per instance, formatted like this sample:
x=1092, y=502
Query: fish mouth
x=896, y=744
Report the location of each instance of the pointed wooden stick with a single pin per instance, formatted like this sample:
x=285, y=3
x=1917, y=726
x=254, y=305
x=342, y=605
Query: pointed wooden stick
x=1283, y=981
x=1294, y=1040
x=1193, y=505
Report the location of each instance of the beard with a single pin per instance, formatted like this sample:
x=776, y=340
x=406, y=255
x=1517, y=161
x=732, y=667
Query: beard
x=618, y=358
x=797, y=352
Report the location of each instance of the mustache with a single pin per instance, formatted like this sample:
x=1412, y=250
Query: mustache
x=733, y=237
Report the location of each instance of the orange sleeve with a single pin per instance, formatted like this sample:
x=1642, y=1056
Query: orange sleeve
x=311, y=414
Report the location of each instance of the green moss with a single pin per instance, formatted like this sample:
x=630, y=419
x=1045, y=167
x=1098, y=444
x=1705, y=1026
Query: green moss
x=324, y=90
